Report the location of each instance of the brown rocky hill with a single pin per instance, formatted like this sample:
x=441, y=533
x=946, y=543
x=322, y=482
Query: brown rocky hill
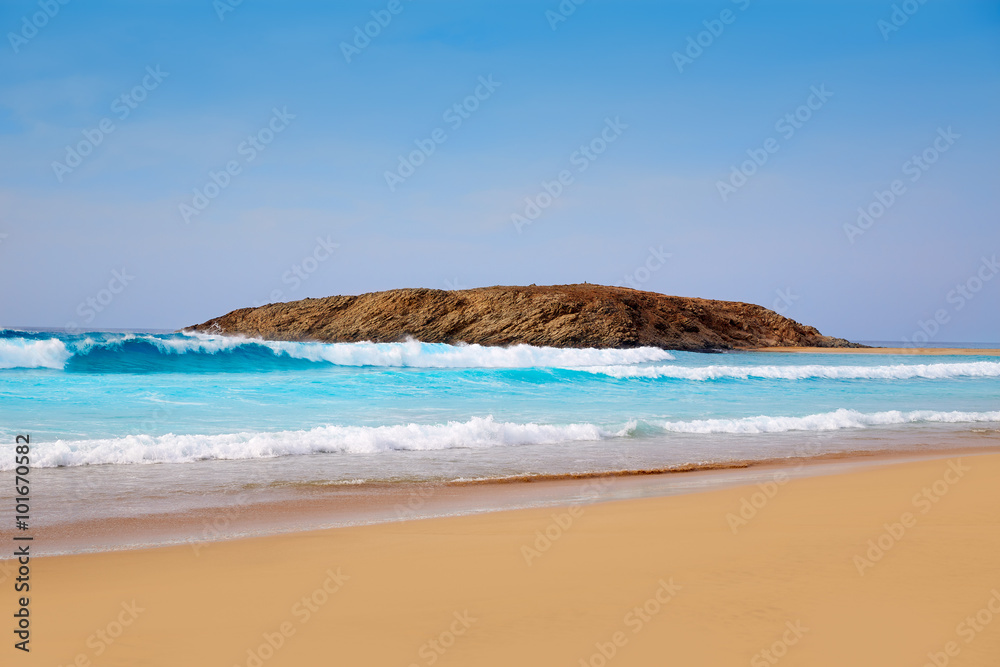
x=557, y=316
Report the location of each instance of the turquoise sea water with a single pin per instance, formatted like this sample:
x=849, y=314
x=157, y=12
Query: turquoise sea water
x=156, y=427
x=127, y=399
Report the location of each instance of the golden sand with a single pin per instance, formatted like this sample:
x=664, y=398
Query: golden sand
x=878, y=566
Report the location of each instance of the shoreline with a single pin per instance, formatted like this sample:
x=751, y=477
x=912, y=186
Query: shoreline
x=919, y=351
x=329, y=507
x=825, y=567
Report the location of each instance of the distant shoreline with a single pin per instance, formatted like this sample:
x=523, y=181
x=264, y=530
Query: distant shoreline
x=922, y=351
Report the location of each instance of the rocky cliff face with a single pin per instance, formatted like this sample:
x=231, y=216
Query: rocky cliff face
x=557, y=316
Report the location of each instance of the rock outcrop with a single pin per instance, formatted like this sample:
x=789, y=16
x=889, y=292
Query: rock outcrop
x=557, y=316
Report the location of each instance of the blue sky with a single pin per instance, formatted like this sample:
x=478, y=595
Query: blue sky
x=312, y=214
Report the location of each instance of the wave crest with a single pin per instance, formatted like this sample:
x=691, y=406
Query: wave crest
x=826, y=421
x=26, y=353
x=147, y=351
x=478, y=432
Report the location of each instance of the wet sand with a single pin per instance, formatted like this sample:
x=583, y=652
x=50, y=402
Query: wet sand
x=265, y=509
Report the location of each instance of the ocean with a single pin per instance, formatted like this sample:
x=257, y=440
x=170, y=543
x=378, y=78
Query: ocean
x=131, y=424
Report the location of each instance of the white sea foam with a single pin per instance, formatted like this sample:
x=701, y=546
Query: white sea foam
x=478, y=432
x=439, y=355
x=24, y=353
x=892, y=372
x=827, y=421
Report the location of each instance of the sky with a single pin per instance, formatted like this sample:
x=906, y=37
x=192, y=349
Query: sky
x=167, y=162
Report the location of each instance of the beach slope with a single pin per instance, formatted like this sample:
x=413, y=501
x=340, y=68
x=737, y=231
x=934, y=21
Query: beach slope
x=877, y=566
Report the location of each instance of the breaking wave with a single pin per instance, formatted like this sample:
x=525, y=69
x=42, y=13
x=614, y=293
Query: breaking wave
x=826, y=421
x=182, y=352
x=477, y=432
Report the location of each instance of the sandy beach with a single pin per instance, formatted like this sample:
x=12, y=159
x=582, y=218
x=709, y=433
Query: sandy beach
x=883, y=565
